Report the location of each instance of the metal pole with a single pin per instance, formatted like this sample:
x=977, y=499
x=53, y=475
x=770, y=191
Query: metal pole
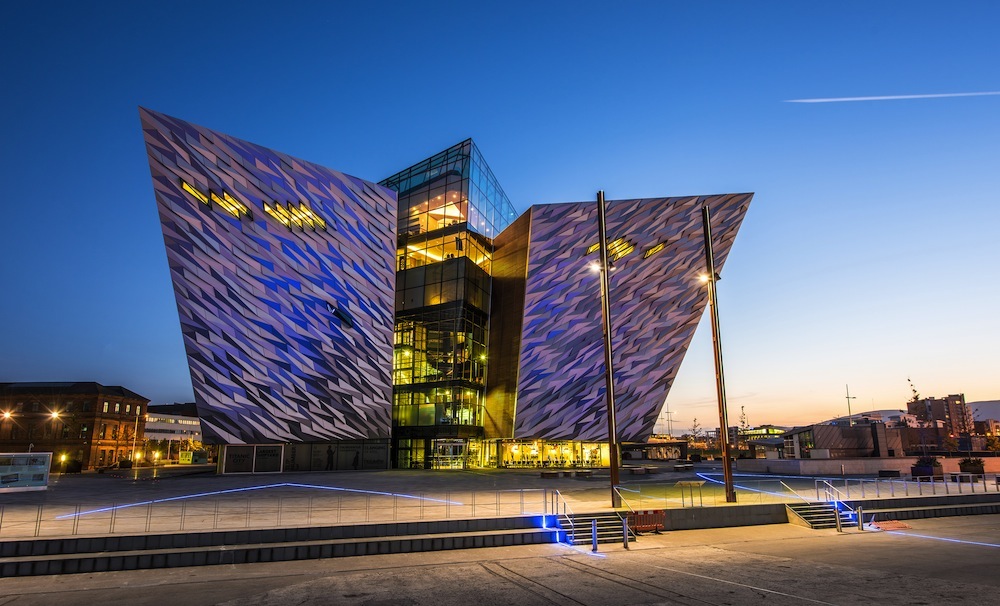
x=135, y=434
x=850, y=418
x=609, y=372
x=593, y=534
x=720, y=382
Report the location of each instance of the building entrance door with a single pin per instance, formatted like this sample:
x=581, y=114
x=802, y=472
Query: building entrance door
x=448, y=454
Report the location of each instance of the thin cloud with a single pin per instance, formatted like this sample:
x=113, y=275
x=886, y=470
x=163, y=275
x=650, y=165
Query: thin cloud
x=891, y=97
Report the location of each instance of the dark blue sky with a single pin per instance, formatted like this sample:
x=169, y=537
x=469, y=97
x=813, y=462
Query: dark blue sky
x=869, y=254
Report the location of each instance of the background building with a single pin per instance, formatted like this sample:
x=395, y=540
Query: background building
x=171, y=428
x=92, y=425
x=951, y=410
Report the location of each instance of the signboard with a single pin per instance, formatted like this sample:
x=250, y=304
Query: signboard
x=193, y=457
x=239, y=459
x=267, y=459
x=24, y=471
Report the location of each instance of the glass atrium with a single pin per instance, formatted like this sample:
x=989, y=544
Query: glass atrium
x=450, y=209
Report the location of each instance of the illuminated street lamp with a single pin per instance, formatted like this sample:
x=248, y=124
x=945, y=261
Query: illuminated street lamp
x=710, y=280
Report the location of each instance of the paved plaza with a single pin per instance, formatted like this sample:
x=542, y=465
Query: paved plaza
x=185, y=499
x=938, y=561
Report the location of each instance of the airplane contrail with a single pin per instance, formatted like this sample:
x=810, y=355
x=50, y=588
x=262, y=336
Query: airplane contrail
x=891, y=97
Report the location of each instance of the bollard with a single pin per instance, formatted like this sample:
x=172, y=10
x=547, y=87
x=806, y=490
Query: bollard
x=861, y=518
x=836, y=513
x=625, y=532
x=593, y=530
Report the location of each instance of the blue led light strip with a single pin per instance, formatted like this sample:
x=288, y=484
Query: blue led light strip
x=249, y=488
x=947, y=540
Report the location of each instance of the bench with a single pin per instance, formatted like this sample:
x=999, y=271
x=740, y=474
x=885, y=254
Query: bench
x=651, y=469
x=648, y=521
x=637, y=471
x=584, y=473
x=888, y=473
x=548, y=475
x=684, y=467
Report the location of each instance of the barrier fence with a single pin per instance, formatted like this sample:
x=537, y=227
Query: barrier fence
x=947, y=484
x=200, y=514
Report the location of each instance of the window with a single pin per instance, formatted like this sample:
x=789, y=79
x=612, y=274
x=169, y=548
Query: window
x=83, y=431
x=118, y=406
x=128, y=408
x=105, y=407
x=104, y=431
x=114, y=432
x=35, y=406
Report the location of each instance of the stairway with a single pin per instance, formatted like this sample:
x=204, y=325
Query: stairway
x=819, y=515
x=578, y=528
x=82, y=554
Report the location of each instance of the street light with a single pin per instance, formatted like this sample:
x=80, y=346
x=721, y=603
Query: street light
x=710, y=279
x=609, y=372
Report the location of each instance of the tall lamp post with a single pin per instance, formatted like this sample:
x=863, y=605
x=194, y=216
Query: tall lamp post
x=609, y=373
x=720, y=381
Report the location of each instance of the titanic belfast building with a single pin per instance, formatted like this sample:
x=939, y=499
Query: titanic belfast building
x=332, y=322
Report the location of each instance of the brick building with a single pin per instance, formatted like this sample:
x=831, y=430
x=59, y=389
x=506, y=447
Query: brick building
x=951, y=410
x=92, y=425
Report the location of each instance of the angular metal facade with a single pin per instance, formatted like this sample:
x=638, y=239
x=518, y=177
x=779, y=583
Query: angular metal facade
x=543, y=274
x=283, y=272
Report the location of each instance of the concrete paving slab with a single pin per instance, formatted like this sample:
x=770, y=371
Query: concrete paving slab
x=938, y=561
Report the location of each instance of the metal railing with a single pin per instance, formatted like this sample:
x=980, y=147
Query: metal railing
x=625, y=526
x=949, y=483
x=708, y=492
x=557, y=502
x=200, y=514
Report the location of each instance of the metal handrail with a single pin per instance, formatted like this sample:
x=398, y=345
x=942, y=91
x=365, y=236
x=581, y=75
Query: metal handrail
x=832, y=490
x=567, y=512
x=618, y=490
x=829, y=489
x=789, y=489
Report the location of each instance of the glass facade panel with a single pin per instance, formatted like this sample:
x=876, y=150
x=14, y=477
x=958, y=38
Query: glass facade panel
x=450, y=207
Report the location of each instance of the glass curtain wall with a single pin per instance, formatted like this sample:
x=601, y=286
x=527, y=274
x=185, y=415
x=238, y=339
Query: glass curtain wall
x=450, y=208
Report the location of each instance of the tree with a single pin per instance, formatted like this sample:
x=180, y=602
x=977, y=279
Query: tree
x=950, y=444
x=993, y=444
x=744, y=428
x=695, y=430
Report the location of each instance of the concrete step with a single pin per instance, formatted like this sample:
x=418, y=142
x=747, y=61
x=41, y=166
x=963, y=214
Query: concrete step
x=580, y=531
x=820, y=515
x=99, y=554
